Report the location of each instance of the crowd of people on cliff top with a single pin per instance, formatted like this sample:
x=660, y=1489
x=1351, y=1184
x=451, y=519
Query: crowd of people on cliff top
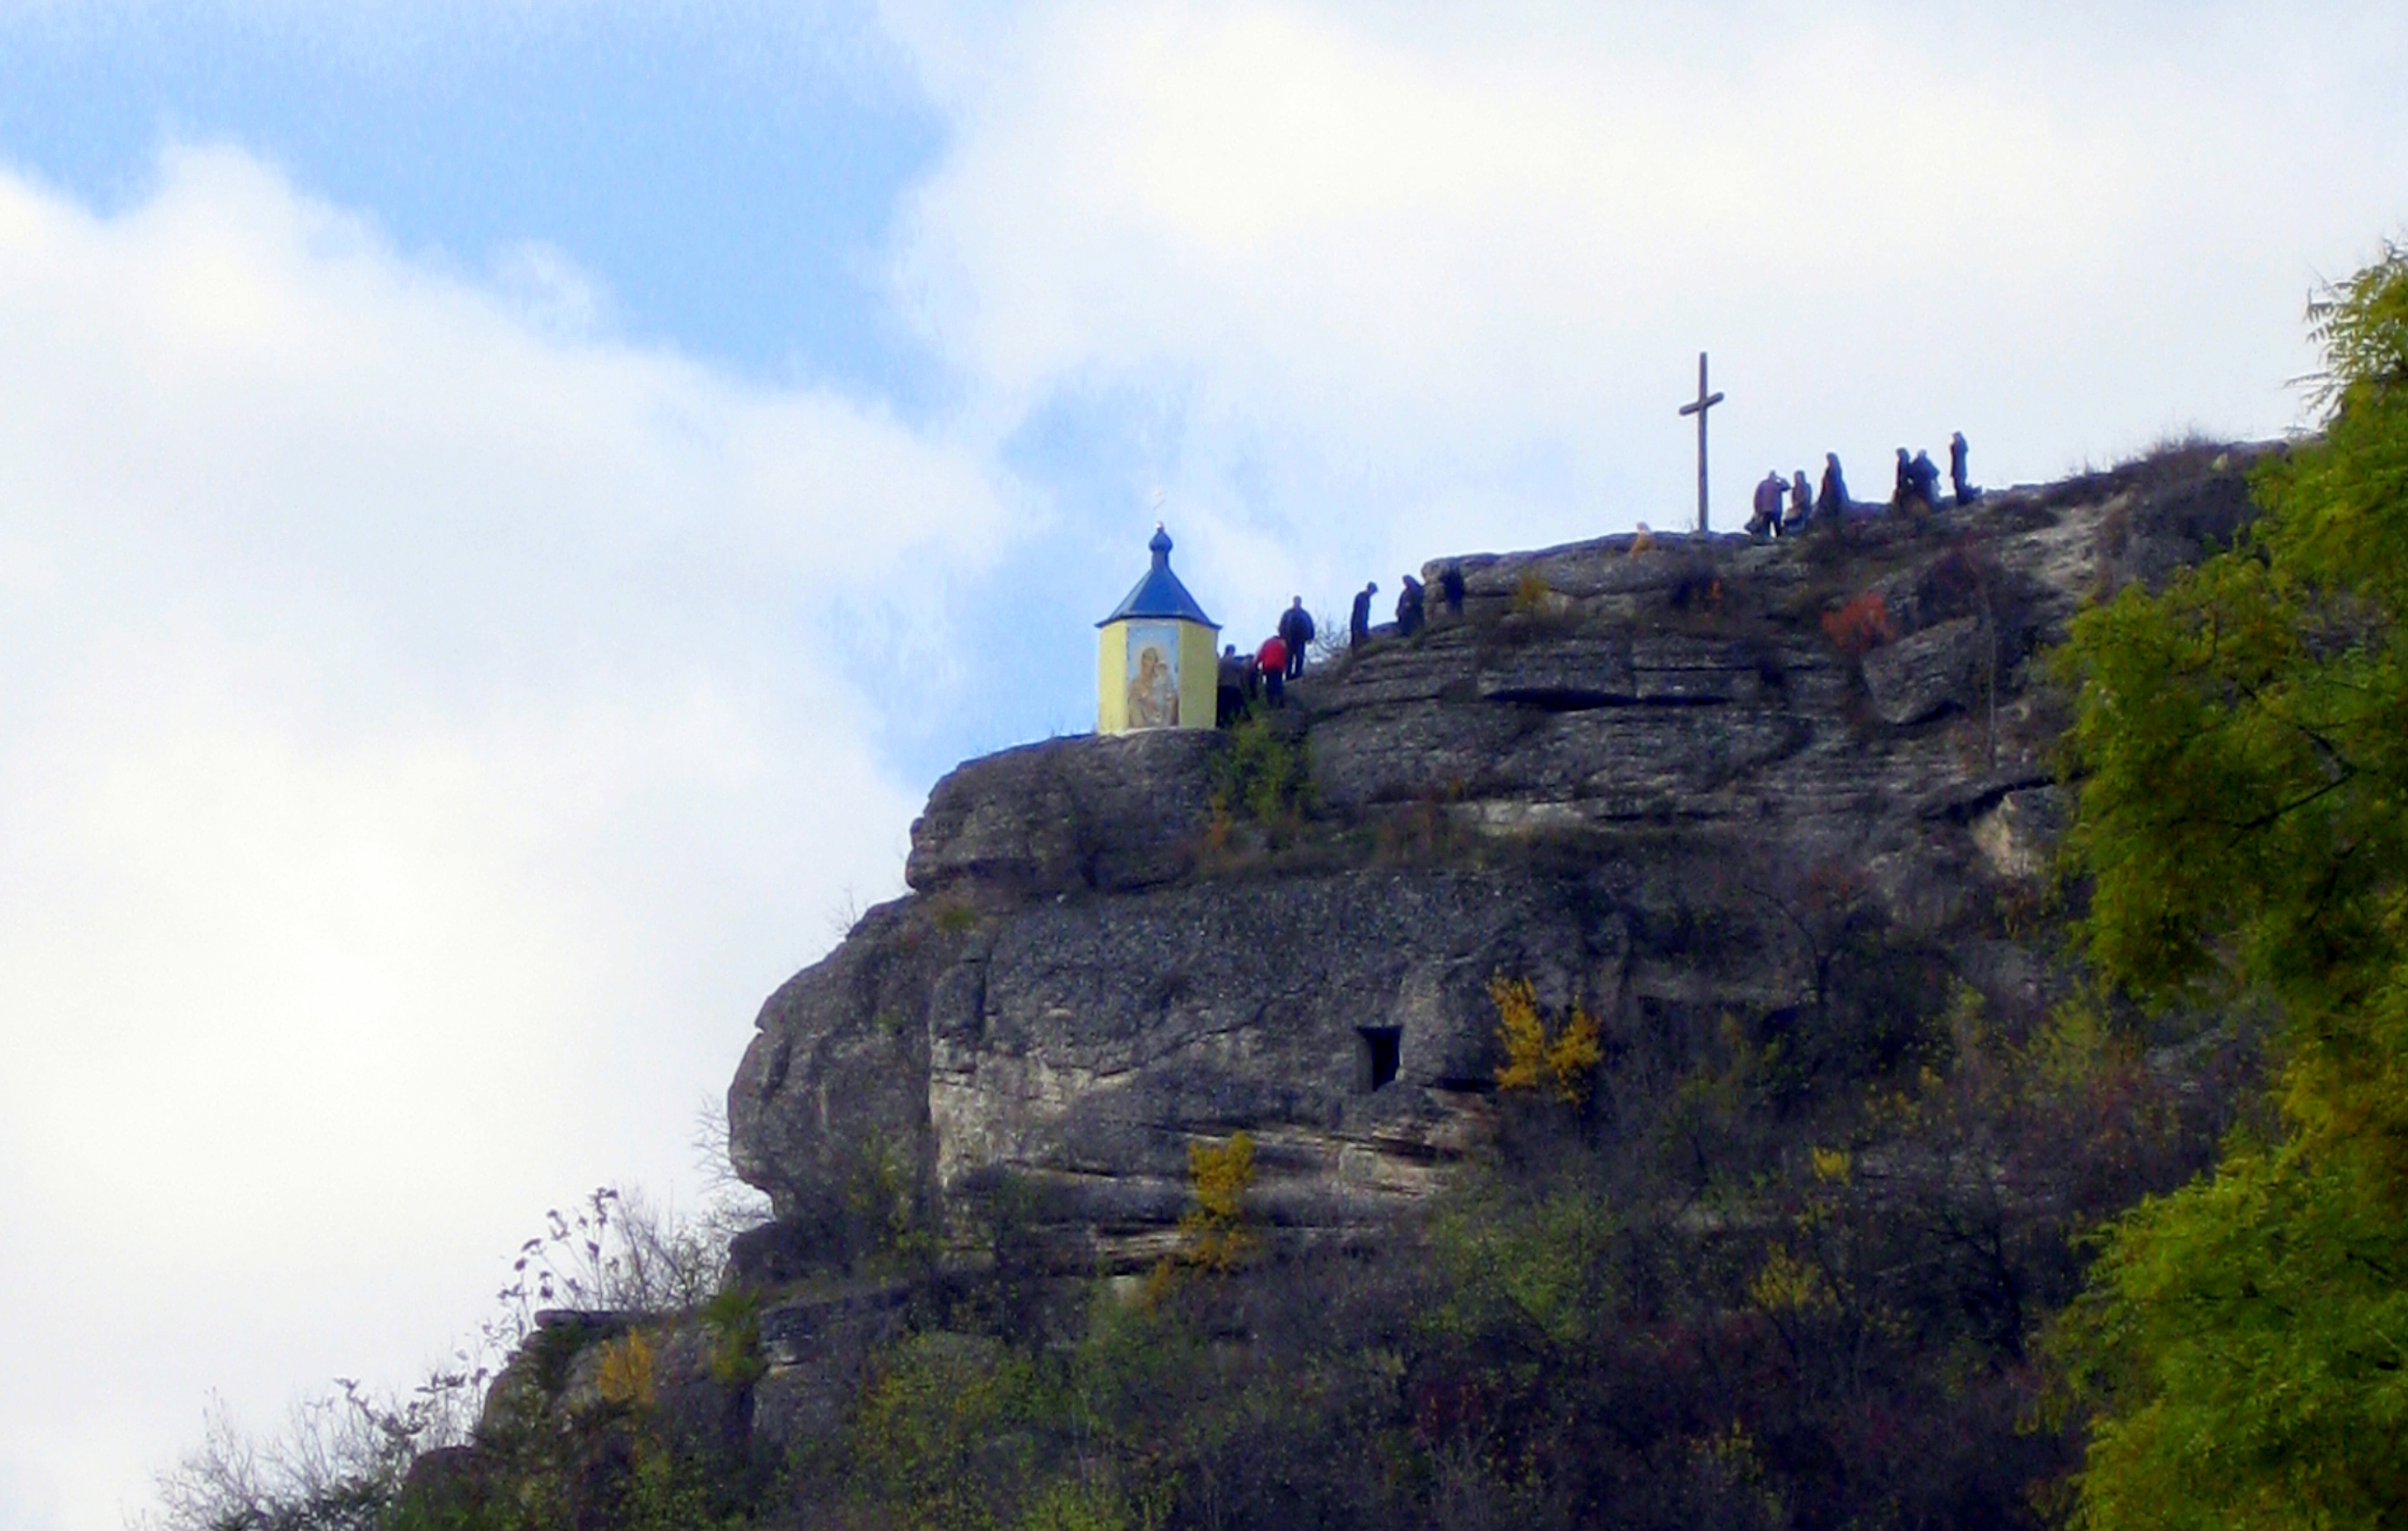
x=1782, y=507
x=1786, y=506
x=1262, y=676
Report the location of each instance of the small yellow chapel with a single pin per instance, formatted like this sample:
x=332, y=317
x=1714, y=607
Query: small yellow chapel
x=1155, y=663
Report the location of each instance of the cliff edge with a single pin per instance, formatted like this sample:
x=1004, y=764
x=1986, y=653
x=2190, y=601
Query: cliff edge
x=1799, y=788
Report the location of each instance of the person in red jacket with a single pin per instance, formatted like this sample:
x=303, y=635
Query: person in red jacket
x=1272, y=657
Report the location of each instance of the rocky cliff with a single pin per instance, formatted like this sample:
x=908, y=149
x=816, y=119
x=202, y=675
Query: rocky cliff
x=1799, y=788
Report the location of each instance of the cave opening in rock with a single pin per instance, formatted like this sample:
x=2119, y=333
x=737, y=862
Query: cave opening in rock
x=1381, y=1045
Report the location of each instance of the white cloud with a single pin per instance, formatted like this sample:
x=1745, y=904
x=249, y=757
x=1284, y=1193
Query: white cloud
x=426, y=731
x=1437, y=281
x=1353, y=204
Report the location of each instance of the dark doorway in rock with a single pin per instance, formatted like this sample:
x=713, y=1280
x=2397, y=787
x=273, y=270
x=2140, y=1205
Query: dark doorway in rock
x=1381, y=1045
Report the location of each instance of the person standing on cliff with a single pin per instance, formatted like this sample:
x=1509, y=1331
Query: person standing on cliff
x=1450, y=584
x=1966, y=493
x=1409, y=607
x=1923, y=480
x=1229, y=695
x=1801, y=507
x=1272, y=657
x=1767, y=506
x=1358, y=622
x=1832, y=503
x=1296, y=631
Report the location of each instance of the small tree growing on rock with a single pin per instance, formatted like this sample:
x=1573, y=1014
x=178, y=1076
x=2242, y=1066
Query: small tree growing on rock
x=1212, y=1233
x=1560, y=1060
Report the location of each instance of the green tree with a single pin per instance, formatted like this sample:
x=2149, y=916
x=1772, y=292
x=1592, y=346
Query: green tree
x=2242, y=745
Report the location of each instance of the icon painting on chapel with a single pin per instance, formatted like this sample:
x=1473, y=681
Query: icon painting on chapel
x=1154, y=675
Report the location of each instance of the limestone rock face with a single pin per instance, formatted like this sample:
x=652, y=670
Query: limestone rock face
x=1924, y=674
x=1654, y=777
x=1095, y=813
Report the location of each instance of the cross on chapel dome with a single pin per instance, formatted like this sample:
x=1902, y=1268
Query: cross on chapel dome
x=1160, y=595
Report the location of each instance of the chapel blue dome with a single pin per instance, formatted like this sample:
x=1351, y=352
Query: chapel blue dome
x=1160, y=593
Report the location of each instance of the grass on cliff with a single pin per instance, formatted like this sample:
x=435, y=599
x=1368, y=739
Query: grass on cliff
x=1259, y=787
x=1261, y=771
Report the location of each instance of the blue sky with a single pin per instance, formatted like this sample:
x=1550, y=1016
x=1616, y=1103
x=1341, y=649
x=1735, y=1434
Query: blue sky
x=727, y=175
x=506, y=510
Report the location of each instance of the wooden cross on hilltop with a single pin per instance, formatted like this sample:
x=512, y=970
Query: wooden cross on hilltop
x=1703, y=402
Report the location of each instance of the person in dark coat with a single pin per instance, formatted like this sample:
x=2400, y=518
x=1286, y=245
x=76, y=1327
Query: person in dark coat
x=1801, y=506
x=1832, y=502
x=1230, y=692
x=1409, y=607
x=1296, y=631
x=1966, y=493
x=1250, y=679
x=1769, y=491
x=1903, y=489
x=1922, y=478
x=1358, y=623
x=1450, y=584
x=1272, y=660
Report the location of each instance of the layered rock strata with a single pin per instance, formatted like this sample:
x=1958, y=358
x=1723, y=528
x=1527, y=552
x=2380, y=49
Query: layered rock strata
x=1674, y=781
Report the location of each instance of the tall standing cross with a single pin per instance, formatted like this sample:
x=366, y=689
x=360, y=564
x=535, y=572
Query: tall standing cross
x=1704, y=402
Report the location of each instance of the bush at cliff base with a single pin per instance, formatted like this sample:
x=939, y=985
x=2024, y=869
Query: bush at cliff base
x=2242, y=745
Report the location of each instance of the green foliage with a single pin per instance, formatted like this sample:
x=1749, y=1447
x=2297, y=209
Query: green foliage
x=882, y=1198
x=1261, y=771
x=942, y=1436
x=1070, y=1504
x=2244, y=1339
x=734, y=1320
x=2359, y=324
x=667, y=1491
x=2243, y=819
x=1130, y=1416
x=550, y=1352
x=1541, y=1266
x=956, y=916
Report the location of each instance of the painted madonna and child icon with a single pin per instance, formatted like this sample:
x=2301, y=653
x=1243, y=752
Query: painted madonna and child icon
x=1153, y=675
